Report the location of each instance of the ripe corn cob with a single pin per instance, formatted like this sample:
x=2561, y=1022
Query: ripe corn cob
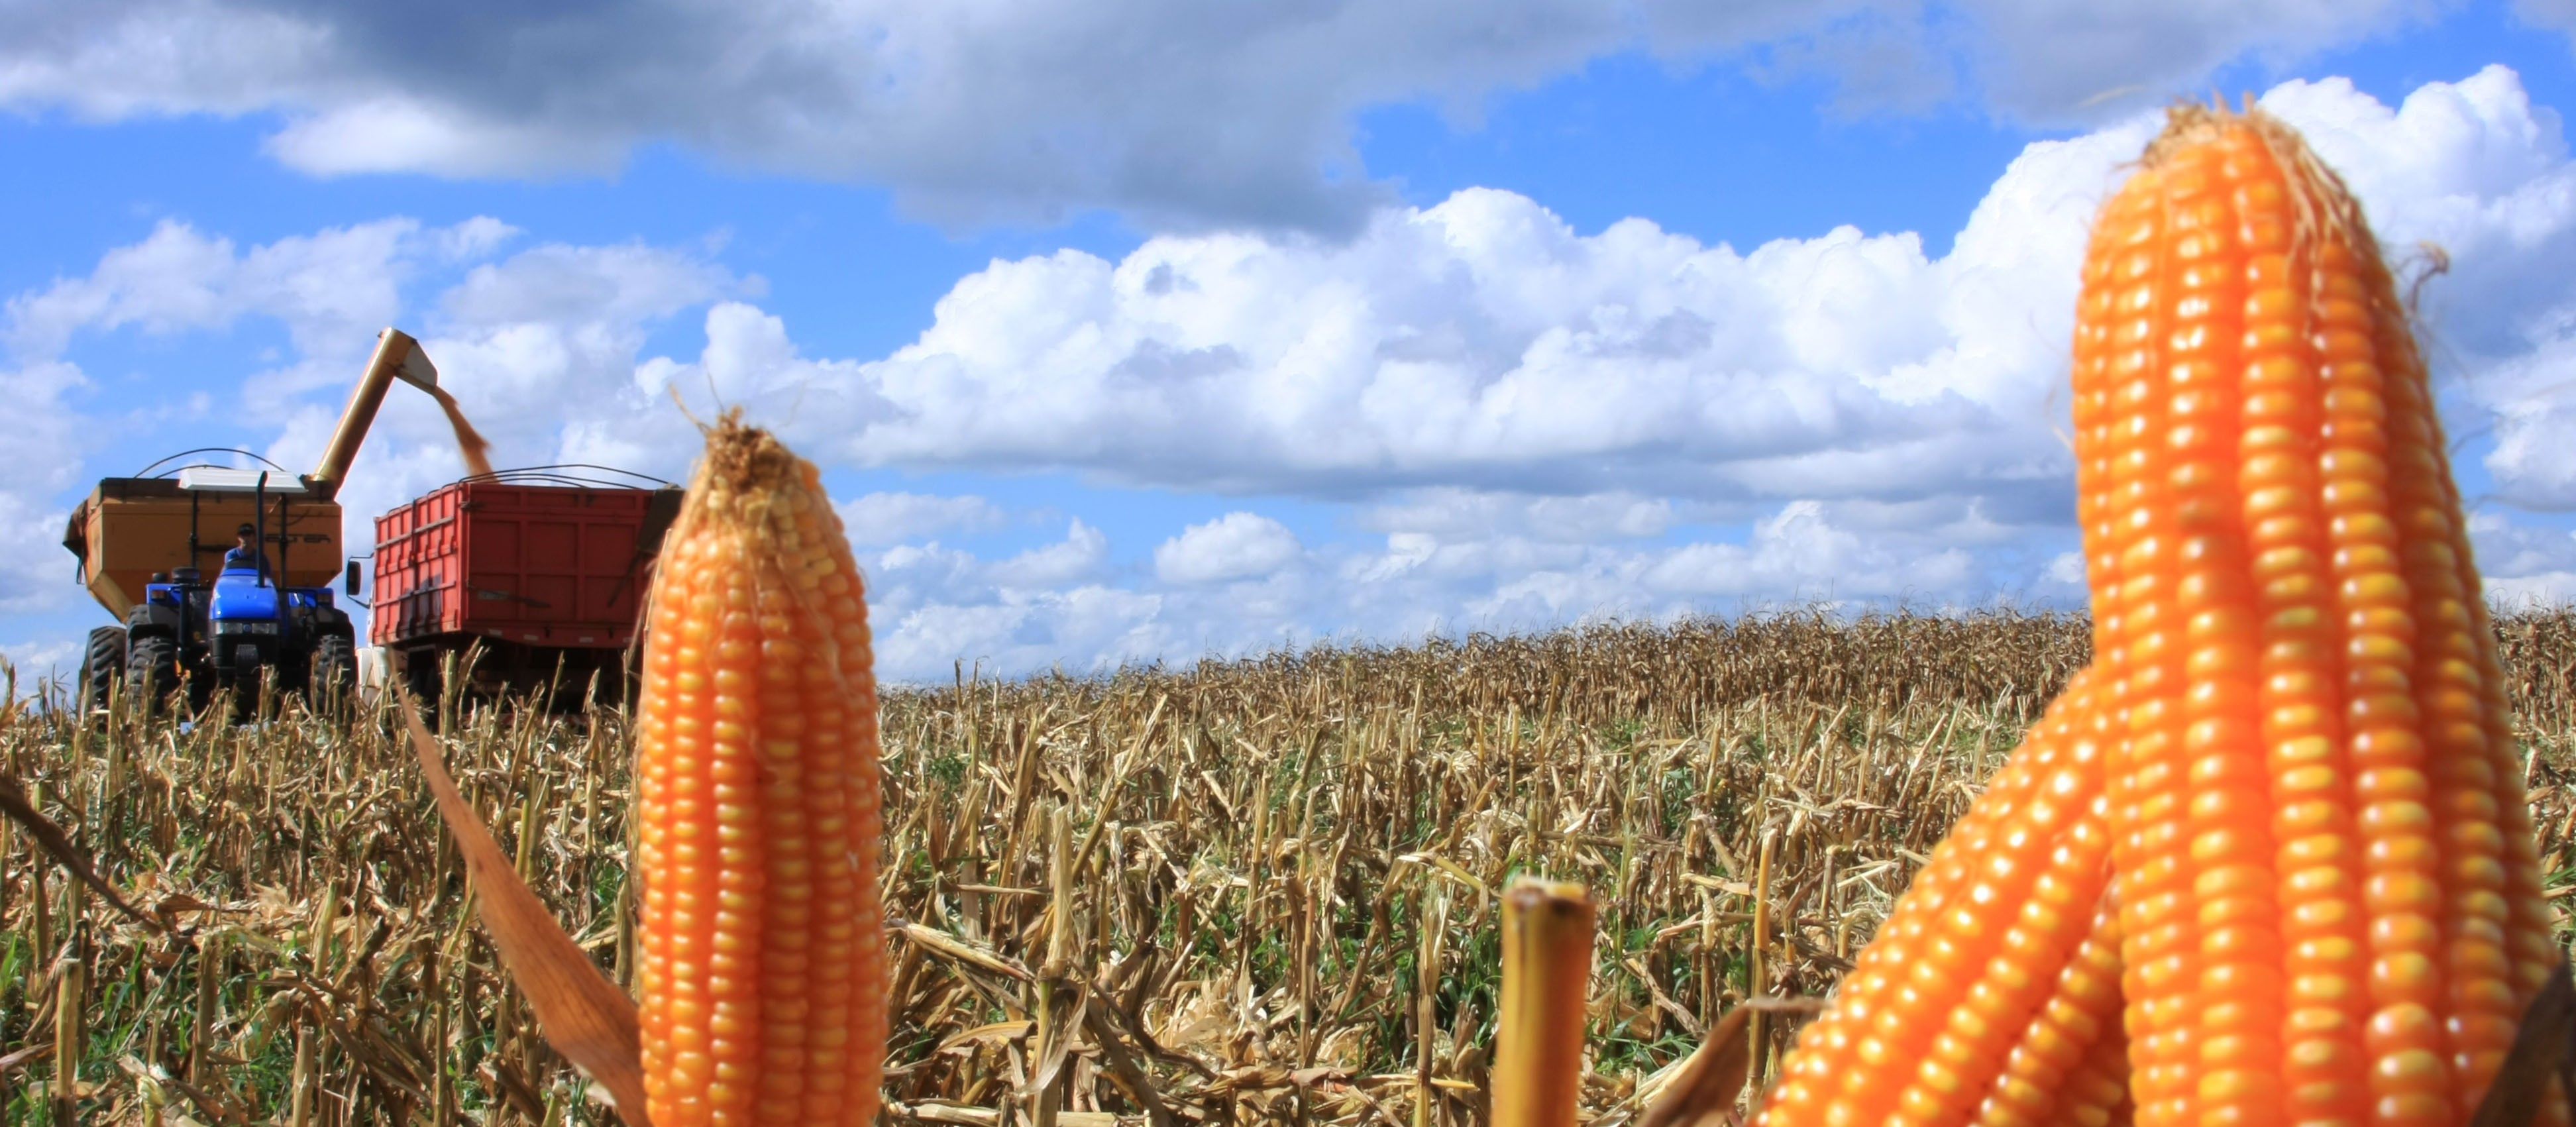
x=1968, y=976
x=762, y=959
x=2328, y=904
x=2098, y=1092
x=2329, y=914
x=1812, y=1074
x=2070, y=1064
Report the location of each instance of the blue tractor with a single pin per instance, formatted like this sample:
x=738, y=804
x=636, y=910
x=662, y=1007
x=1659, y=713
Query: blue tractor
x=236, y=631
x=268, y=617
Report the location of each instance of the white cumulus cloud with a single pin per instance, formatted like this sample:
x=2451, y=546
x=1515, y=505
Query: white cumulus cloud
x=895, y=517
x=2524, y=564
x=1484, y=344
x=1238, y=545
x=331, y=289
x=48, y=440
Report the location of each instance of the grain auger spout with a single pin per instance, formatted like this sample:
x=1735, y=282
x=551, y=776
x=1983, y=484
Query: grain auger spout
x=397, y=356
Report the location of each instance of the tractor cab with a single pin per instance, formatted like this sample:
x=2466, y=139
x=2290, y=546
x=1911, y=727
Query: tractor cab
x=253, y=622
x=244, y=618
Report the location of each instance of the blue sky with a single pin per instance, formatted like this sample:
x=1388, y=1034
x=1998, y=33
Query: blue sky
x=1136, y=329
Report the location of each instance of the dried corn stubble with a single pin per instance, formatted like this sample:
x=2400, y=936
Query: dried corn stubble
x=261, y=819
x=761, y=953
x=582, y=1014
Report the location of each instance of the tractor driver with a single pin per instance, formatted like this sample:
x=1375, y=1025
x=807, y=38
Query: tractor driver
x=245, y=553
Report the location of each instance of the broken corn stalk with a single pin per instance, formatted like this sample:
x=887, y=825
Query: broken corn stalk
x=1547, y=977
x=761, y=963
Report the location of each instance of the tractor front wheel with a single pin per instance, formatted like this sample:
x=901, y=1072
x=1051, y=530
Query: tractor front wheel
x=152, y=670
x=332, y=675
x=102, y=666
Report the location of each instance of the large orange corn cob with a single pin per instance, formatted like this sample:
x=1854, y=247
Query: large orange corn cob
x=762, y=959
x=1969, y=978
x=2328, y=905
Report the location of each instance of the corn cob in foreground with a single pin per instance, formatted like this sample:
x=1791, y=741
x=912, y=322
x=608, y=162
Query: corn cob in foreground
x=762, y=968
x=2327, y=901
x=2330, y=903
x=1977, y=973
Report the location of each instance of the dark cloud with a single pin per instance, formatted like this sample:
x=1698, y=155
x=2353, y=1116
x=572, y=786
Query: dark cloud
x=1180, y=114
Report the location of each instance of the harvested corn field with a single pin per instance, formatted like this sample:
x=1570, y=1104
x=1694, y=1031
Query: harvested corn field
x=1237, y=873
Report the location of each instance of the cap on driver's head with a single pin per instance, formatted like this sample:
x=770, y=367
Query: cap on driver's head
x=246, y=530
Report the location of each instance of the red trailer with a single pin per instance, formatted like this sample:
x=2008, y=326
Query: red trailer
x=544, y=568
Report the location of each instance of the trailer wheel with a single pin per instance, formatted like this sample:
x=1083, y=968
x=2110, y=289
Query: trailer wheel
x=102, y=666
x=333, y=674
x=421, y=677
x=152, y=669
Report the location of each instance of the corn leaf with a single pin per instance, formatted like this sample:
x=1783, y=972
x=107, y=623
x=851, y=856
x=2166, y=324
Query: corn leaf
x=22, y=810
x=582, y=1014
x=1704, y=1093
x=2539, y=1053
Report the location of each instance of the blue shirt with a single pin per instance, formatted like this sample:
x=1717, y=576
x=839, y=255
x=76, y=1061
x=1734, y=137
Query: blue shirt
x=249, y=559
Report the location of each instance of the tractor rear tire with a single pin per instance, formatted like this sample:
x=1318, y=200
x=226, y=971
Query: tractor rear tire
x=152, y=670
x=331, y=677
x=102, y=666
